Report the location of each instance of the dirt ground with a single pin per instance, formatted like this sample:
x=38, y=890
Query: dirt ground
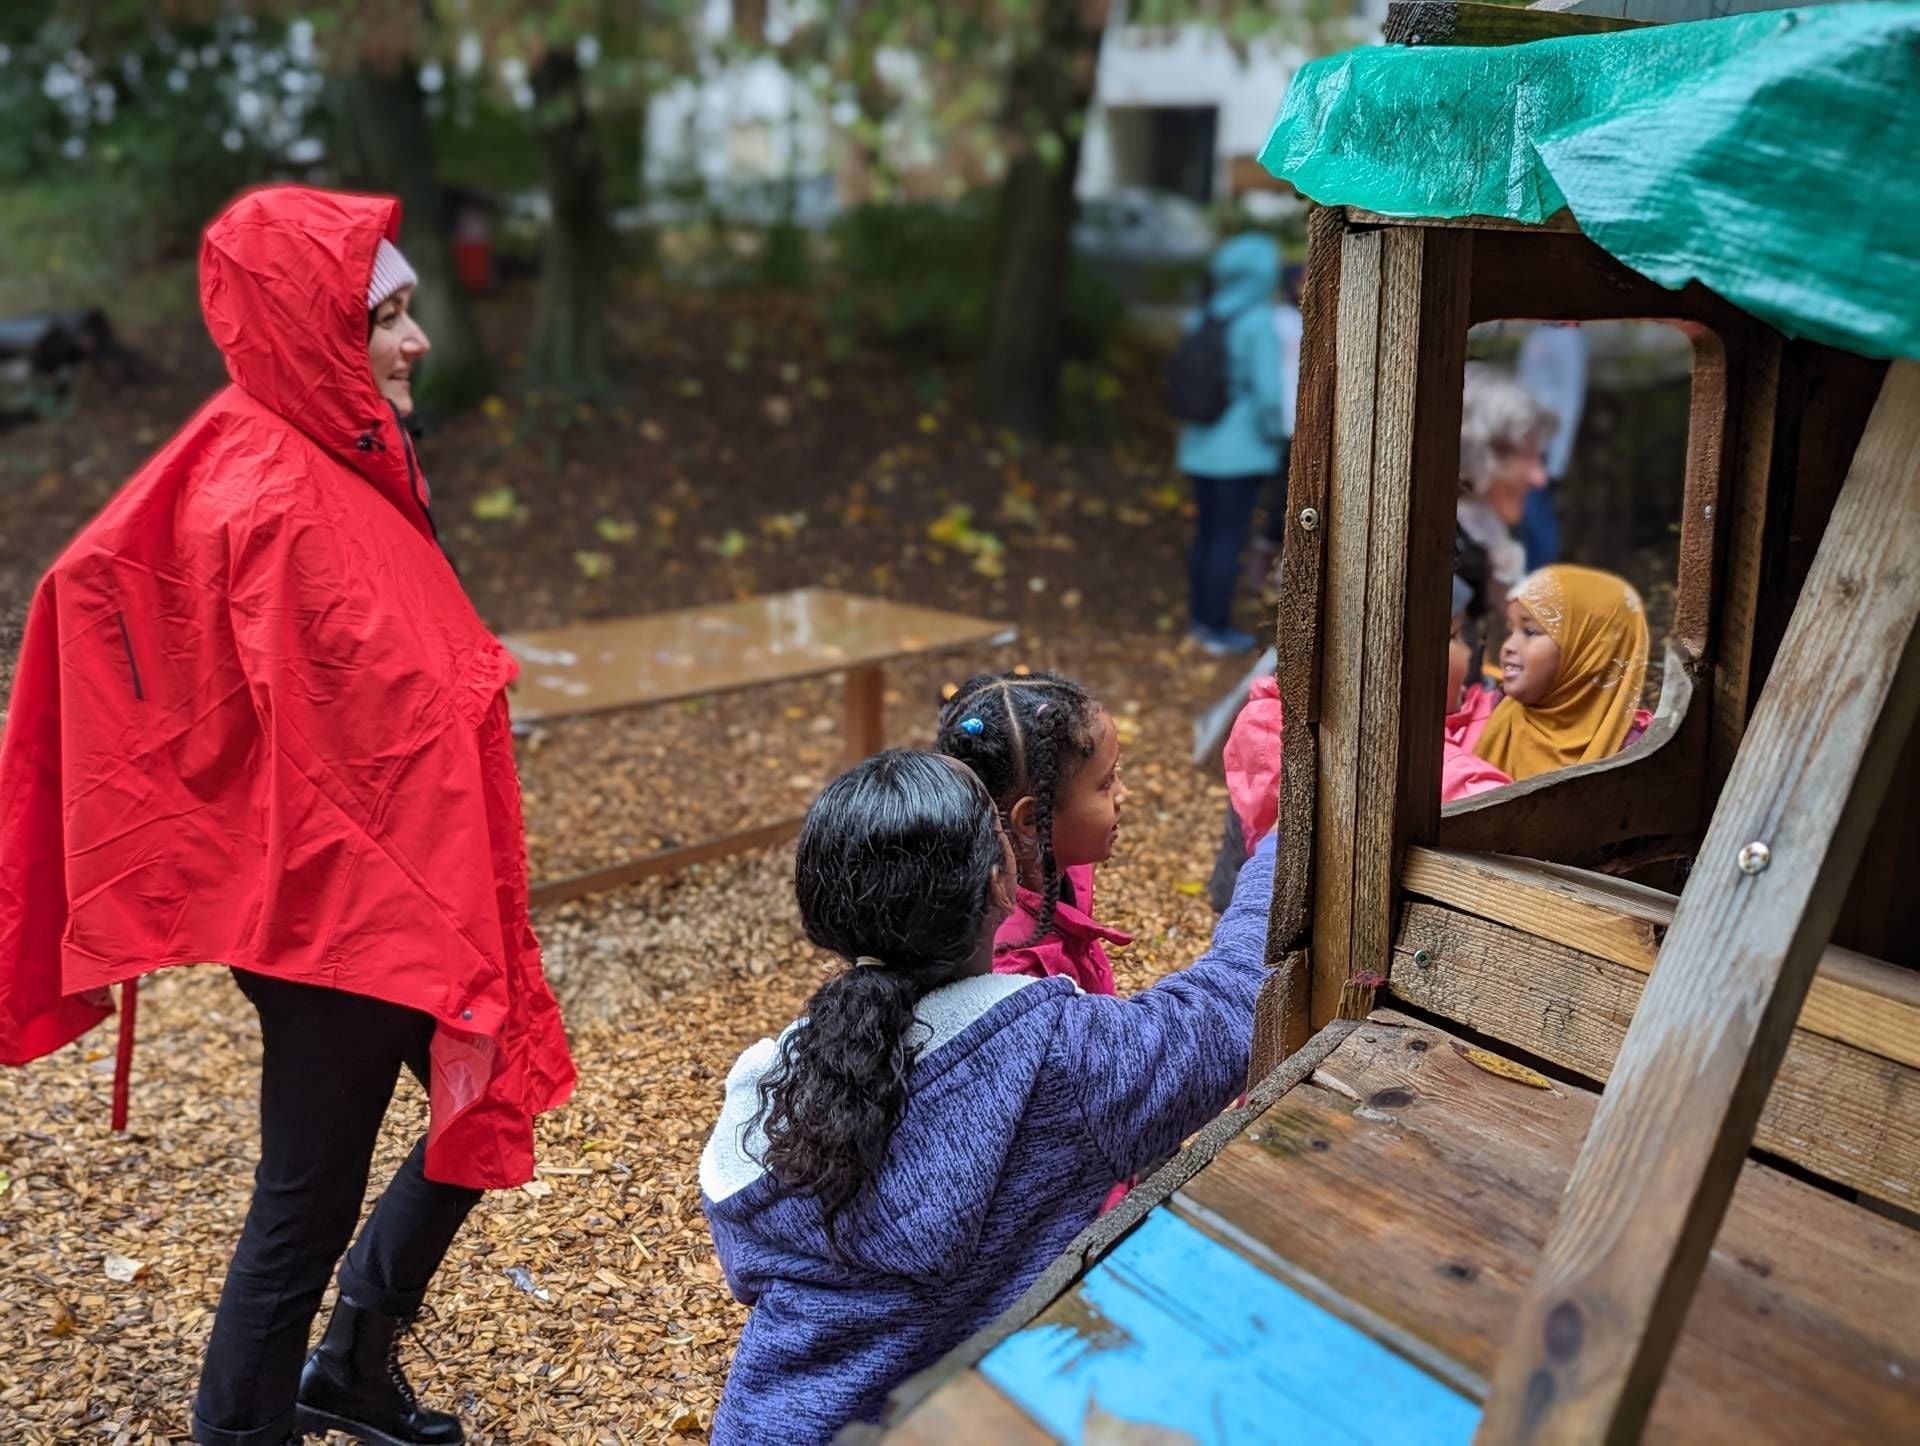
x=736, y=458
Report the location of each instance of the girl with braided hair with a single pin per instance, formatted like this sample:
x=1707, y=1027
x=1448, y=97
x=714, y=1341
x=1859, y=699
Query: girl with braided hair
x=1049, y=756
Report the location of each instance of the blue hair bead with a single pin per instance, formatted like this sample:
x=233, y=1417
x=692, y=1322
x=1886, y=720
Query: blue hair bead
x=972, y=727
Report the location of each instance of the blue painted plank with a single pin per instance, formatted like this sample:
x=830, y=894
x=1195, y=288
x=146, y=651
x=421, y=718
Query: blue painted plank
x=1176, y=1330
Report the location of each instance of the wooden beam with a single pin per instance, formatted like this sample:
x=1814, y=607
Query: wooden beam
x=1280, y=1016
x=1854, y=999
x=1475, y=22
x=1843, y=1112
x=1752, y=513
x=1592, y=813
x=1651, y=1186
x=1402, y=346
x=667, y=861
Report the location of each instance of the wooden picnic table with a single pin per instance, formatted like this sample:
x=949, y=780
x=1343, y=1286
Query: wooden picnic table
x=635, y=662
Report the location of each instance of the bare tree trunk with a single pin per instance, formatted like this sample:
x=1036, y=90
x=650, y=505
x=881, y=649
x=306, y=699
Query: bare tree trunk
x=569, y=344
x=1052, y=87
x=386, y=144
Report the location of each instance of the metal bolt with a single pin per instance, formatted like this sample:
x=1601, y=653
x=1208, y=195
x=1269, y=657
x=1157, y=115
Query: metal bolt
x=1421, y=958
x=1755, y=857
x=1708, y=513
x=1309, y=518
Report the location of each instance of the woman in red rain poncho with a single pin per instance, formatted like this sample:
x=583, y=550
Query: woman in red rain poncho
x=257, y=721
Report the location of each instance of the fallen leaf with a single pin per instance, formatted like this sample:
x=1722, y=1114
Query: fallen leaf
x=497, y=505
x=617, y=529
x=731, y=544
x=594, y=565
x=125, y=1269
x=686, y=1421
x=60, y=1321
x=1505, y=1068
x=1190, y=887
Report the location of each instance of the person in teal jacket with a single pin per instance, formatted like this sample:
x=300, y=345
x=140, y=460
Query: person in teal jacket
x=1233, y=460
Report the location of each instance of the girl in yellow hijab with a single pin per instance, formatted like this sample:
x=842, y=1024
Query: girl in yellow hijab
x=1573, y=665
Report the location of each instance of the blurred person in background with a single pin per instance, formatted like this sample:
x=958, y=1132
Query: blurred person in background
x=1553, y=368
x=1504, y=434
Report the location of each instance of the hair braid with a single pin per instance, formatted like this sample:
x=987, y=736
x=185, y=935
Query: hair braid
x=1031, y=745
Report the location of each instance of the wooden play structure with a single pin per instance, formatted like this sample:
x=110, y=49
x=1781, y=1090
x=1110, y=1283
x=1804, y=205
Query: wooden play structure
x=1428, y=1222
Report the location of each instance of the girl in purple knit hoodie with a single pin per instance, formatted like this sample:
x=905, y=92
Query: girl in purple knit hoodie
x=889, y=1175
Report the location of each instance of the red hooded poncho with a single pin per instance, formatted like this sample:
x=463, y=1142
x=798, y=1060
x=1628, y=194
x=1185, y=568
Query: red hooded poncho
x=257, y=722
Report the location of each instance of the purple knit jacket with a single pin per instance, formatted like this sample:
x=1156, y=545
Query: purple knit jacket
x=1028, y=1101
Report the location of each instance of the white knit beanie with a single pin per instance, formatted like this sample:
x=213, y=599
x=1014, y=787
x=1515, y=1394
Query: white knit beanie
x=390, y=273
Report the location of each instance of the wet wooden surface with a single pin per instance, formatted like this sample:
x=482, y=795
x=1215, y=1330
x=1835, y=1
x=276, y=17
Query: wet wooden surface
x=660, y=658
x=1419, y=1190
x=1176, y=1331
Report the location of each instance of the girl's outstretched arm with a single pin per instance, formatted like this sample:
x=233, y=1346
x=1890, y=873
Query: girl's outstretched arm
x=1151, y=1069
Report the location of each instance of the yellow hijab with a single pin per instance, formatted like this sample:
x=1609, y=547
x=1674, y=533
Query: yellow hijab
x=1601, y=629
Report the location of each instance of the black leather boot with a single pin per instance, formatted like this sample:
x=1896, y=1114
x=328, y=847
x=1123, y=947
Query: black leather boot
x=353, y=1384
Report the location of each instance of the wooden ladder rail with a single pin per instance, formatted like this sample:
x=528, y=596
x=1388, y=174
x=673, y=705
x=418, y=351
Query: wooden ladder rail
x=1647, y=1196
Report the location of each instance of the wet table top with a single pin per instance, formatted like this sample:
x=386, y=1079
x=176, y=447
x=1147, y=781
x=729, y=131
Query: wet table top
x=628, y=662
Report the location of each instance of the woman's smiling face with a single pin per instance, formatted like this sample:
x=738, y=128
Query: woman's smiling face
x=394, y=345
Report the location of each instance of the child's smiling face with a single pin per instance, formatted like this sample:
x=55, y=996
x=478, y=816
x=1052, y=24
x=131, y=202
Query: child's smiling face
x=1086, y=821
x=1529, y=659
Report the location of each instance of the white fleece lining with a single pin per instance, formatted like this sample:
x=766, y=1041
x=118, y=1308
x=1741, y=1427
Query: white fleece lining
x=730, y=1162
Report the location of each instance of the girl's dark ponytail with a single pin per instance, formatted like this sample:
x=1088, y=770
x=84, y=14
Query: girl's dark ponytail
x=895, y=868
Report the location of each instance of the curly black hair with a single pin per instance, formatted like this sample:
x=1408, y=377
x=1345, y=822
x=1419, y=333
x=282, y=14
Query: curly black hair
x=1025, y=735
x=895, y=868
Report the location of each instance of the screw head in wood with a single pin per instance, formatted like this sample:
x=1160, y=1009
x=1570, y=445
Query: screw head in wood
x=1309, y=518
x=1421, y=958
x=1755, y=857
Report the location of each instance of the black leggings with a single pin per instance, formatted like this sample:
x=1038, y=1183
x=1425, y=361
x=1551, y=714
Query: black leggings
x=327, y=1074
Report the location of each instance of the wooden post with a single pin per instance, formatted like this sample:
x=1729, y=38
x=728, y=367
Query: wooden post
x=865, y=726
x=1653, y=1180
x=1389, y=519
x=1280, y=1017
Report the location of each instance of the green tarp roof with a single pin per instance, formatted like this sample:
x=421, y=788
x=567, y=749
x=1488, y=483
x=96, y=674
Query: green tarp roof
x=1775, y=157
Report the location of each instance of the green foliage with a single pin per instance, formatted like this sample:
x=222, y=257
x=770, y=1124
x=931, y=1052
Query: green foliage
x=918, y=277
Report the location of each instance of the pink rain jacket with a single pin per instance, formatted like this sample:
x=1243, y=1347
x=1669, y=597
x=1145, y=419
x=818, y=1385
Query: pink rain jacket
x=1076, y=947
x=1252, y=758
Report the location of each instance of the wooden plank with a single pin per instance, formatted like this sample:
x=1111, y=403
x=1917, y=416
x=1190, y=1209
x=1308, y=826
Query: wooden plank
x=1561, y=220
x=1176, y=1332
x=1397, y=417
x=864, y=728
x=1842, y=1112
x=1752, y=513
x=1608, y=813
x=969, y=1410
x=1856, y=1000
x=1280, y=1017
x=1651, y=1187
x=1418, y=1190
x=667, y=861
x=1465, y=22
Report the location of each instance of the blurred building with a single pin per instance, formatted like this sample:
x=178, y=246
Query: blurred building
x=1178, y=112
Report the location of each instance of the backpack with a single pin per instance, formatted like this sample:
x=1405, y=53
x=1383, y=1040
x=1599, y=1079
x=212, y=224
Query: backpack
x=1198, y=391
